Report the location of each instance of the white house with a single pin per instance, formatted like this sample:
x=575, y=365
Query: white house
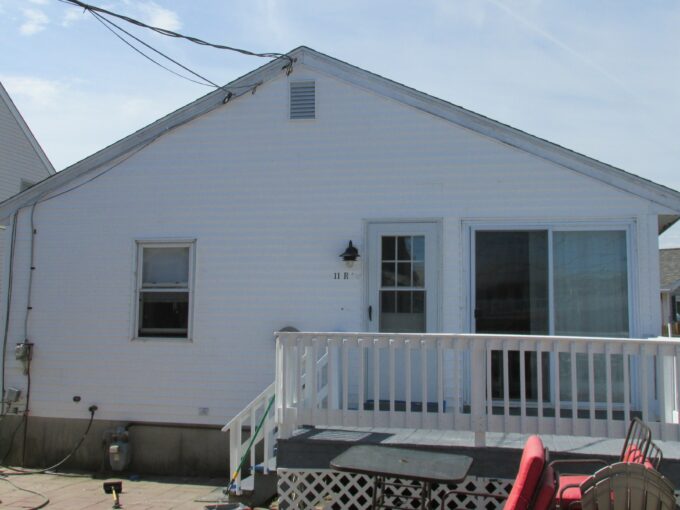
x=22, y=160
x=164, y=263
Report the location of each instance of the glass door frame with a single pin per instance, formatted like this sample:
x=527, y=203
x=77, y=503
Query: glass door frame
x=471, y=227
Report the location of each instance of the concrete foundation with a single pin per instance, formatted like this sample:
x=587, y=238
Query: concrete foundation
x=156, y=449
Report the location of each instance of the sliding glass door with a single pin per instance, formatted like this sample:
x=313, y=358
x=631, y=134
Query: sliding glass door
x=549, y=281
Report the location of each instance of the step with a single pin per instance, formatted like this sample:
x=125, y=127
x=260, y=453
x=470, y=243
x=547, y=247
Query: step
x=259, y=468
x=257, y=489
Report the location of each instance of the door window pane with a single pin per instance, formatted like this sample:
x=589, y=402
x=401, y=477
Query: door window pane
x=388, y=247
x=410, y=311
x=388, y=276
x=418, y=274
x=404, y=274
x=511, y=274
x=591, y=283
x=402, y=308
x=404, y=247
x=388, y=301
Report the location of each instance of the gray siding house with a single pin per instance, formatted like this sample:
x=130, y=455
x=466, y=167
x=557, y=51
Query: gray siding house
x=22, y=161
x=669, y=261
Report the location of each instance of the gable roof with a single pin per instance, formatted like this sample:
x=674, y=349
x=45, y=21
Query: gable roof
x=4, y=97
x=313, y=59
x=669, y=265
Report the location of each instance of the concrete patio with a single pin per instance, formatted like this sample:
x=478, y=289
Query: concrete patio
x=82, y=491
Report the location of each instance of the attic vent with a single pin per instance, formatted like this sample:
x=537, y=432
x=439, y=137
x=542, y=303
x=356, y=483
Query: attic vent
x=302, y=100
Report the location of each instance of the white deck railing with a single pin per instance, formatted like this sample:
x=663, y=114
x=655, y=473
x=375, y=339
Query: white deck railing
x=265, y=441
x=479, y=383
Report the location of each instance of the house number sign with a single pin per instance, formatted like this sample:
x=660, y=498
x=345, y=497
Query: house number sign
x=345, y=276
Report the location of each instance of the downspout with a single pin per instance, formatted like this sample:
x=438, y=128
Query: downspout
x=7, y=296
x=30, y=274
x=28, y=345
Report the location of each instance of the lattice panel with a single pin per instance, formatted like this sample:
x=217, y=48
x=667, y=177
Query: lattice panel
x=301, y=489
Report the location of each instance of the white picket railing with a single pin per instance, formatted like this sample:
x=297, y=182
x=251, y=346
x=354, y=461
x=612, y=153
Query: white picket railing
x=479, y=383
x=249, y=418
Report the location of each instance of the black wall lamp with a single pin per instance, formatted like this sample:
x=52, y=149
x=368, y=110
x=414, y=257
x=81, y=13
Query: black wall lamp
x=350, y=255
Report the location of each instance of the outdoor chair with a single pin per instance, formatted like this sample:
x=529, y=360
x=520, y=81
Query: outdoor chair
x=534, y=485
x=627, y=486
x=638, y=448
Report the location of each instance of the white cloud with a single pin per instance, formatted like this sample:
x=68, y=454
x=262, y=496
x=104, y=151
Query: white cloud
x=39, y=2
x=158, y=16
x=36, y=21
x=37, y=91
x=71, y=16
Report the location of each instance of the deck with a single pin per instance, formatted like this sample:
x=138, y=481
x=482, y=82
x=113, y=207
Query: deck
x=314, y=448
x=480, y=395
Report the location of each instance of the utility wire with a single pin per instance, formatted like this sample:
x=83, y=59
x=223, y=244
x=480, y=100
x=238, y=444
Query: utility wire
x=24, y=472
x=170, y=33
x=105, y=23
x=45, y=498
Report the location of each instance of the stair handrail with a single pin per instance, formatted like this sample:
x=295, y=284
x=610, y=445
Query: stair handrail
x=236, y=447
x=266, y=394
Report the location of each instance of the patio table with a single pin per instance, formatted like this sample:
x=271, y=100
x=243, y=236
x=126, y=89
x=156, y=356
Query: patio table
x=382, y=463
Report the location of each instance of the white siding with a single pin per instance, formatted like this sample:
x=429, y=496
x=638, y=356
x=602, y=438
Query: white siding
x=2, y=247
x=271, y=202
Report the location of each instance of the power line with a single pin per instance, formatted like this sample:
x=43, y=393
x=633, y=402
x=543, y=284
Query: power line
x=170, y=33
x=108, y=24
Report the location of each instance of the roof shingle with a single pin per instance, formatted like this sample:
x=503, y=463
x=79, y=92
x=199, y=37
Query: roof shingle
x=669, y=260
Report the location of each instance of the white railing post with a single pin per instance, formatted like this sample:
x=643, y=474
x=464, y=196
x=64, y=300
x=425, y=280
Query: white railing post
x=284, y=420
x=477, y=390
x=665, y=382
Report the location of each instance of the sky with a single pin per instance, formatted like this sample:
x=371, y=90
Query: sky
x=598, y=77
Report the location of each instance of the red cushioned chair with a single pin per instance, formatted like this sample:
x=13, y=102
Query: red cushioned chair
x=534, y=486
x=638, y=448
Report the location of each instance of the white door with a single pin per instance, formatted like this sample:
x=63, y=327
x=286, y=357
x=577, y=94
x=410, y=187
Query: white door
x=403, y=286
x=403, y=277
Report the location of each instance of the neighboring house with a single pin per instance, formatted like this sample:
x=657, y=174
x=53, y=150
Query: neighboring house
x=669, y=262
x=165, y=262
x=22, y=160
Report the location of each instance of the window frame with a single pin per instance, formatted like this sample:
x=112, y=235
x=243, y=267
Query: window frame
x=628, y=226
x=140, y=245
